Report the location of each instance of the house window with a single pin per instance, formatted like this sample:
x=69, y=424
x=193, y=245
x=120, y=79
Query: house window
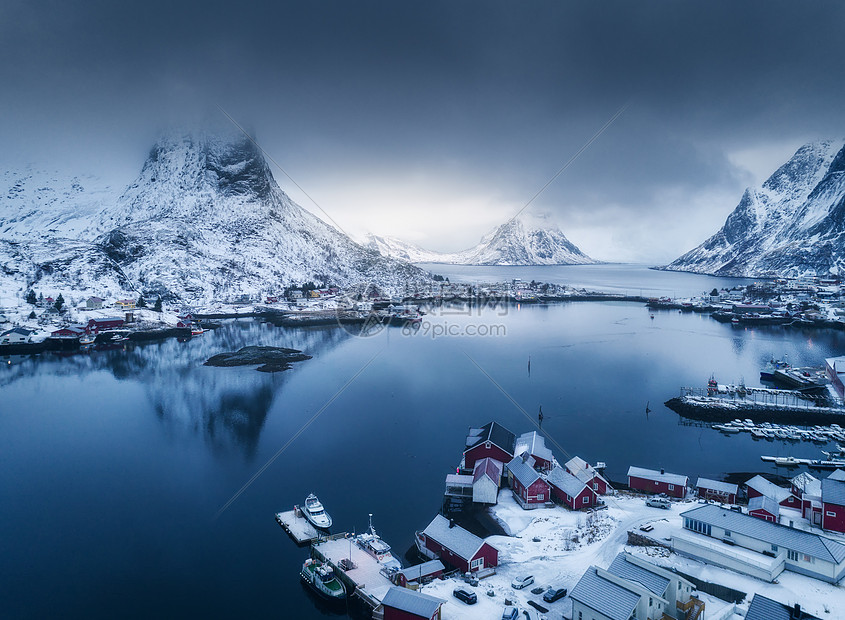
x=792, y=555
x=595, y=486
x=671, y=487
x=830, y=513
x=587, y=499
x=809, y=559
x=540, y=497
x=476, y=564
x=728, y=533
x=774, y=548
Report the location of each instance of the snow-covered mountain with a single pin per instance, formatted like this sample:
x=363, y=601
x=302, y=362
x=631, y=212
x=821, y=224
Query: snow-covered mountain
x=793, y=224
x=528, y=239
x=204, y=220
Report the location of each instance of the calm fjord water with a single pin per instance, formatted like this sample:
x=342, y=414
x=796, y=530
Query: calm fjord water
x=114, y=463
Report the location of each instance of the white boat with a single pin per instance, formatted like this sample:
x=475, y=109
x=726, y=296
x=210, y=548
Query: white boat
x=377, y=548
x=87, y=339
x=315, y=513
x=321, y=578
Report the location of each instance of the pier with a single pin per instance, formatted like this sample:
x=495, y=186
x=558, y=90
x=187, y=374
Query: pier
x=360, y=572
x=297, y=526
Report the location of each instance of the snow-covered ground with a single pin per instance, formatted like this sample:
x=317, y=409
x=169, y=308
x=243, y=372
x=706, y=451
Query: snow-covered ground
x=556, y=546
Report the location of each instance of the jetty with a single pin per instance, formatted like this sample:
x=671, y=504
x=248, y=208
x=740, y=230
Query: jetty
x=791, y=461
x=360, y=572
x=297, y=526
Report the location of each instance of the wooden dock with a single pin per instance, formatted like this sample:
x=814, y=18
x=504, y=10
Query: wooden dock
x=297, y=526
x=363, y=577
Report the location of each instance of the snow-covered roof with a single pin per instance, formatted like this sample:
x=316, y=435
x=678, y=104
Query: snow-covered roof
x=650, y=474
x=764, y=503
x=762, y=608
x=412, y=602
x=652, y=580
x=523, y=472
x=457, y=539
x=769, y=489
x=414, y=573
x=459, y=479
x=18, y=330
x=565, y=481
x=790, y=538
x=489, y=467
x=833, y=492
x=534, y=444
x=715, y=485
x=582, y=470
x=808, y=484
x=605, y=596
x=839, y=474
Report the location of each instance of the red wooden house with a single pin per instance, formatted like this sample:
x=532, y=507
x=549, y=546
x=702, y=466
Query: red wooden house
x=491, y=440
x=587, y=474
x=68, y=333
x=529, y=489
x=420, y=573
x=809, y=489
x=833, y=502
x=568, y=490
x=404, y=604
x=95, y=326
x=758, y=486
x=455, y=546
x=716, y=490
x=765, y=508
x=651, y=481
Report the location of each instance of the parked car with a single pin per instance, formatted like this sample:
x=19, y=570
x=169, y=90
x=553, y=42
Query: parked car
x=510, y=613
x=465, y=595
x=554, y=594
x=521, y=582
x=658, y=502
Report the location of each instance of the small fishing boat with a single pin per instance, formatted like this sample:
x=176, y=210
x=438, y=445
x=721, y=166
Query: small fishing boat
x=315, y=513
x=196, y=329
x=321, y=578
x=373, y=544
x=86, y=339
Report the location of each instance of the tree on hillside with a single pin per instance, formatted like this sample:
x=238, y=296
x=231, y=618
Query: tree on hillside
x=60, y=302
x=31, y=298
x=714, y=292
x=157, y=306
x=140, y=303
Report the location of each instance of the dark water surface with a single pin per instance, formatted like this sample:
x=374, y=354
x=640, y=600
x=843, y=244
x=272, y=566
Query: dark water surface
x=114, y=463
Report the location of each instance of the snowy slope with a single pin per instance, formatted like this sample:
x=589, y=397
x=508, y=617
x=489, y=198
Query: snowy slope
x=793, y=224
x=204, y=220
x=528, y=239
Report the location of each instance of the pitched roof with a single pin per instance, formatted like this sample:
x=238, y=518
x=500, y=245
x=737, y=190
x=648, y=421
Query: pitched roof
x=412, y=601
x=489, y=467
x=762, y=608
x=523, y=472
x=413, y=573
x=651, y=580
x=769, y=489
x=457, y=539
x=493, y=432
x=765, y=503
x=565, y=481
x=797, y=540
x=582, y=470
x=650, y=474
x=833, y=492
x=715, y=485
x=839, y=474
x=19, y=330
x=534, y=444
x=606, y=597
x=807, y=483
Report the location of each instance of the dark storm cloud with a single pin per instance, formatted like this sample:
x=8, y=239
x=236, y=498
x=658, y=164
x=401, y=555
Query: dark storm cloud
x=498, y=94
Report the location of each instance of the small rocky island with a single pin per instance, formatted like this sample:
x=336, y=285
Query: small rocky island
x=268, y=359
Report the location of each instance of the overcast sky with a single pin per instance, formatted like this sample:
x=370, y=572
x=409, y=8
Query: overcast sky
x=436, y=121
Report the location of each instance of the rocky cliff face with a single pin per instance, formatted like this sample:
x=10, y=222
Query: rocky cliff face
x=791, y=225
x=204, y=220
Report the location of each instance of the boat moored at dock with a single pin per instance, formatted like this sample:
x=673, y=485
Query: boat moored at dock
x=315, y=513
x=321, y=579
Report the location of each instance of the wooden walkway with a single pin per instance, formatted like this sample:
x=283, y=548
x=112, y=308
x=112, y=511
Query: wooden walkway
x=365, y=579
x=297, y=526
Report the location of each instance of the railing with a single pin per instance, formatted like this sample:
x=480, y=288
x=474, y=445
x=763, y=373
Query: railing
x=692, y=609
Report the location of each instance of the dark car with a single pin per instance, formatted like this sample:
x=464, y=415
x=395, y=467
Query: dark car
x=465, y=595
x=554, y=594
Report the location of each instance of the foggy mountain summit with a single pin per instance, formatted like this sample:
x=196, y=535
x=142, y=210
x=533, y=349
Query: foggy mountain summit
x=528, y=239
x=205, y=218
x=793, y=224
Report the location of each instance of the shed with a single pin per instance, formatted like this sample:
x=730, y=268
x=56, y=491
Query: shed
x=764, y=508
x=486, y=479
x=419, y=573
x=404, y=604
x=716, y=490
x=760, y=486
